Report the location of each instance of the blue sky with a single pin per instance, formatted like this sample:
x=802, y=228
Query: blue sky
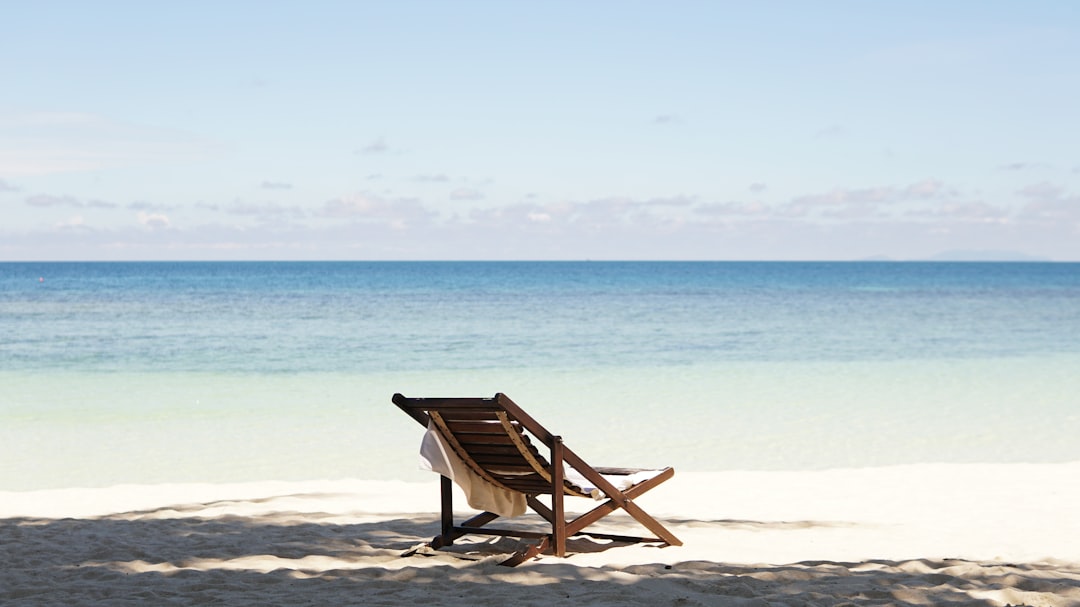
x=554, y=130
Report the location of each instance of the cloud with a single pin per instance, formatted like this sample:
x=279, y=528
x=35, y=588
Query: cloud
x=1049, y=203
x=976, y=211
x=735, y=209
x=142, y=205
x=1023, y=166
x=666, y=119
x=621, y=210
x=44, y=200
x=275, y=185
x=466, y=194
x=1042, y=191
x=7, y=187
x=377, y=146
x=154, y=221
x=927, y=188
x=262, y=209
x=845, y=196
x=368, y=226
x=867, y=198
x=757, y=187
x=397, y=212
x=1064, y=211
x=591, y=215
x=75, y=222
x=830, y=132
x=811, y=204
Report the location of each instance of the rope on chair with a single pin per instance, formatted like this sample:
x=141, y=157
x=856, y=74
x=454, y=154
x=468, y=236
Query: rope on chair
x=461, y=452
x=527, y=453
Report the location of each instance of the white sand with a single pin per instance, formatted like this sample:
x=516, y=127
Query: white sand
x=910, y=535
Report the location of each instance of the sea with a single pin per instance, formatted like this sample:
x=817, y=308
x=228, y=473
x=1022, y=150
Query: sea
x=214, y=372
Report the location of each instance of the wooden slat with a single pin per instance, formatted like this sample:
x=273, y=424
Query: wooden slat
x=457, y=415
x=521, y=476
x=476, y=427
x=501, y=532
x=525, y=478
x=483, y=439
x=516, y=473
x=522, y=479
x=530, y=488
x=500, y=462
x=493, y=449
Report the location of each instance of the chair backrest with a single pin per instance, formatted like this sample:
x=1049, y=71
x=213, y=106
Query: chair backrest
x=494, y=437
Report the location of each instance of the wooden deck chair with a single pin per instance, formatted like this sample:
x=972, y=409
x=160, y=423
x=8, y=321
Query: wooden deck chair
x=492, y=437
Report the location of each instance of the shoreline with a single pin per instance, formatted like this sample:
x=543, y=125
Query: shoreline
x=992, y=534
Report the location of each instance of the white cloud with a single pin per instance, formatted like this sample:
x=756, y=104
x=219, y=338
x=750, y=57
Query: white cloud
x=356, y=204
x=153, y=221
x=466, y=194
x=45, y=200
x=830, y=132
x=844, y=196
x=921, y=217
x=142, y=205
x=748, y=209
x=928, y=188
x=593, y=215
x=72, y=223
x=369, y=207
x=977, y=211
x=1041, y=191
x=377, y=146
x=1049, y=204
x=261, y=209
x=1064, y=211
x=865, y=202
x=1023, y=166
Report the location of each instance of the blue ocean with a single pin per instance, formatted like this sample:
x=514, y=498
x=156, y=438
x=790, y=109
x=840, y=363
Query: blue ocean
x=116, y=373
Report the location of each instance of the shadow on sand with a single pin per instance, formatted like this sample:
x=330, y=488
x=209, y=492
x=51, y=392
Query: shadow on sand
x=145, y=559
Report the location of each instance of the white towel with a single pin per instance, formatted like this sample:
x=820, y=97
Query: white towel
x=437, y=456
x=622, y=482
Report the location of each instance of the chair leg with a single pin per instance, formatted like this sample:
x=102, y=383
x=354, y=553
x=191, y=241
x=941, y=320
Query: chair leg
x=447, y=537
x=611, y=505
x=558, y=519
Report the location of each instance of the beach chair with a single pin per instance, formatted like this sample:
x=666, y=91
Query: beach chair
x=494, y=441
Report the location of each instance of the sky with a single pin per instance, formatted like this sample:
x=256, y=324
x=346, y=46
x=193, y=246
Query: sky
x=514, y=130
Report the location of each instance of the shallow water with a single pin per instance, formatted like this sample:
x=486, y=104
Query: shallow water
x=171, y=372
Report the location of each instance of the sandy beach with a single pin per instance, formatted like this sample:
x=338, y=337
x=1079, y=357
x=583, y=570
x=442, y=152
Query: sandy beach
x=1002, y=534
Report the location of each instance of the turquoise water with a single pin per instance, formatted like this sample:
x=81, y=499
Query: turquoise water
x=178, y=372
